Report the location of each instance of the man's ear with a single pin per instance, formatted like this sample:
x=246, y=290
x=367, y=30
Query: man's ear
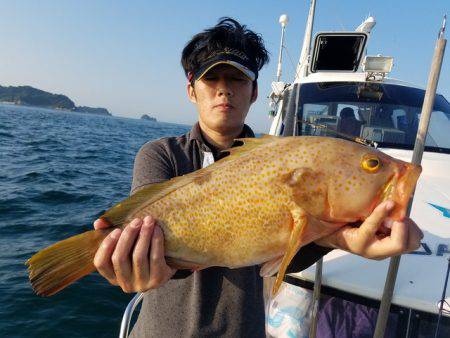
x=254, y=93
x=191, y=93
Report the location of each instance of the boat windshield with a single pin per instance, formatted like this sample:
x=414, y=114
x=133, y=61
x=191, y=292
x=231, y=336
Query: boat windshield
x=385, y=113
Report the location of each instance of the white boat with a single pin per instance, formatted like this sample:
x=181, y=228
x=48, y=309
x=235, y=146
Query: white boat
x=341, y=92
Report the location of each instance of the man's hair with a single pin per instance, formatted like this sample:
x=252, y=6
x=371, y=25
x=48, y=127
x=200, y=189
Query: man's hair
x=228, y=33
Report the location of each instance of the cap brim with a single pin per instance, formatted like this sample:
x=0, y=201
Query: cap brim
x=247, y=72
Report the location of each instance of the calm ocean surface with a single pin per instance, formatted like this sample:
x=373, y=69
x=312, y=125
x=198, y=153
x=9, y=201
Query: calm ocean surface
x=58, y=172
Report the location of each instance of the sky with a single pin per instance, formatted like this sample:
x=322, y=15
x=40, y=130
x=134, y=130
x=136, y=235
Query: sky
x=125, y=55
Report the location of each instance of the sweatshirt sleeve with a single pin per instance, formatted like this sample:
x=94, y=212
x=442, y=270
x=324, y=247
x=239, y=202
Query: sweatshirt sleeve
x=153, y=165
x=307, y=256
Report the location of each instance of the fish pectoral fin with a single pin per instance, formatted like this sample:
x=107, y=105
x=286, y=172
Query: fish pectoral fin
x=271, y=267
x=299, y=179
x=300, y=221
x=298, y=176
x=180, y=264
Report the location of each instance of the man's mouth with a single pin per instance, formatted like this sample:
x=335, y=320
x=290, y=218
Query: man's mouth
x=224, y=106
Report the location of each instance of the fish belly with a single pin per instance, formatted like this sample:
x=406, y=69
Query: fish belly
x=233, y=225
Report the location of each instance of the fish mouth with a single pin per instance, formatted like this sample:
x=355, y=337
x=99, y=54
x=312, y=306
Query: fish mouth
x=388, y=188
x=400, y=188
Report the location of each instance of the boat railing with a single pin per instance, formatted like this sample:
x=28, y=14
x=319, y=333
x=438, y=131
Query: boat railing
x=128, y=314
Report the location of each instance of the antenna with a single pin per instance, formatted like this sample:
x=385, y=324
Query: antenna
x=284, y=19
x=442, y=30
x=302, y=69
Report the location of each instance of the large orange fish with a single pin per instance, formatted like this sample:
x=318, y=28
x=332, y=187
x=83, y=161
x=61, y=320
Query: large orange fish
x=258, y=205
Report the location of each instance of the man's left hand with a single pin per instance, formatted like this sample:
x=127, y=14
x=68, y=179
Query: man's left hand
x=378, y=237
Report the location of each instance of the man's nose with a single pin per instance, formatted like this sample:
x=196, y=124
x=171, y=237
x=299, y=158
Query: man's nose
x=224, y=88
x=225, y=92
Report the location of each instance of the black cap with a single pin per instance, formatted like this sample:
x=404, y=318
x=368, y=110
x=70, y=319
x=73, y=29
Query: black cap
x=232, y=57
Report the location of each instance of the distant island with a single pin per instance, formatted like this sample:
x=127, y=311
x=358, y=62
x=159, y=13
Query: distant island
x=90, y=110
x=148, y=118
x=29, y=96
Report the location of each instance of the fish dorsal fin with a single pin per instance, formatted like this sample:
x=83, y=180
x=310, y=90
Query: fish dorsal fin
x=268, y=136
x=248, y=144
x=123, y=212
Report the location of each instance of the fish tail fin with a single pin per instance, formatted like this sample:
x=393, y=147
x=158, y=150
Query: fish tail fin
x=61, y=264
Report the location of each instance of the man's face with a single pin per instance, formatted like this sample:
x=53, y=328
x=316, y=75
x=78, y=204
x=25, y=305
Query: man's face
x=223, y=97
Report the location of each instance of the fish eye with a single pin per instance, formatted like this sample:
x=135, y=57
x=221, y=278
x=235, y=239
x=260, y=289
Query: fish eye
x=371, y=164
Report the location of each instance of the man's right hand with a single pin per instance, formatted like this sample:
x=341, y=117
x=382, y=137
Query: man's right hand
x=133, y=258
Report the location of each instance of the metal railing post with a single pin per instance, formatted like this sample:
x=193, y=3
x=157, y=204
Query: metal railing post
x=419, y=146
x=126, y=318
x=316, y=298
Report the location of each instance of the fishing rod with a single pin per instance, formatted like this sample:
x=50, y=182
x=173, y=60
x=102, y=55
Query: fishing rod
x=419, y=146
x=356, y=139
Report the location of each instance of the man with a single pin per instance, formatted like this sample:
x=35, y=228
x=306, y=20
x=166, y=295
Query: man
x=221, y=64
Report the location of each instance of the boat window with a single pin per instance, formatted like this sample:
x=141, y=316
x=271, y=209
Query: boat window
x=338, y=51
x=384, y=113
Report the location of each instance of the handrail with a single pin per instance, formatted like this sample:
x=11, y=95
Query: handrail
x=126, y=319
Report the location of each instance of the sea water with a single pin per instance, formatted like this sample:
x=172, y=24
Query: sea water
x=58, y=172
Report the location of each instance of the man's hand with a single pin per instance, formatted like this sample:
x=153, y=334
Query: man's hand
x=133, y=258
x=378, y=237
